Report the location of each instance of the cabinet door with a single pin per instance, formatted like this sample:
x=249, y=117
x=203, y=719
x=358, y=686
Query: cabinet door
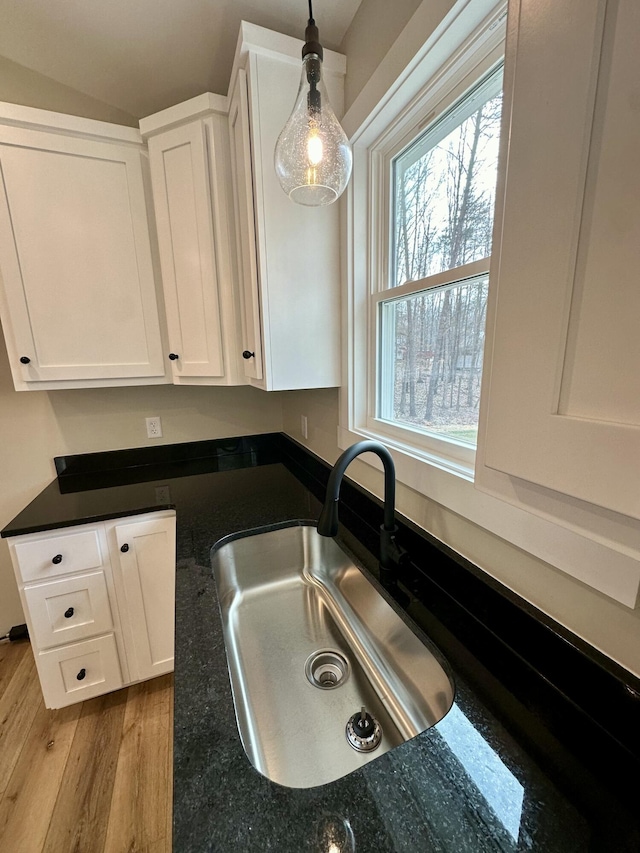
x=298, y=246
x=563, y=385
x=146, y=554
x=182, y=199
x=245, y=228
x=79, y=671
x=69, y=609
x=79, y=299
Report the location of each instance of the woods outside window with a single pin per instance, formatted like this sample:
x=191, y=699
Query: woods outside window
x=430, y=307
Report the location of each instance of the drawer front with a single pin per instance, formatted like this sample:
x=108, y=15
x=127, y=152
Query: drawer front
x=80, y=671
x=69, y=609
x=40, y=559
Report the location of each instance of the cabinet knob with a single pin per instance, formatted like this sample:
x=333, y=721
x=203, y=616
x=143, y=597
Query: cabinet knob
x=25, y=359
x=68, y=613
x=247, y=354
x=57, y=559
x=81, y=674
x=173, y=356
x=124, y=548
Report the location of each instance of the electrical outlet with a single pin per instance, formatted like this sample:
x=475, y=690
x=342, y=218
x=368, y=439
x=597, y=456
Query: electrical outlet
x=163, y=494
x=304, y=429
x=154, y=427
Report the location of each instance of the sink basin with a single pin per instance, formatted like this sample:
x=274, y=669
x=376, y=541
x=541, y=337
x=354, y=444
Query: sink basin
x=310, y=641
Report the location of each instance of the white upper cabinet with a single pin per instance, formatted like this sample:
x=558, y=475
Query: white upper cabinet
x=190, y=173
x=249, y=301
x=562, y=377
x=288, y=255
x=77, y=295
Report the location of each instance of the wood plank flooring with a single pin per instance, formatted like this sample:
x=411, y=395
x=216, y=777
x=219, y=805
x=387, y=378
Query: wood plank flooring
x=95, y=777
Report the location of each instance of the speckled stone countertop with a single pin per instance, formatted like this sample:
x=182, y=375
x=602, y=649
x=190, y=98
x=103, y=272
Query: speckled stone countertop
x=478, y=781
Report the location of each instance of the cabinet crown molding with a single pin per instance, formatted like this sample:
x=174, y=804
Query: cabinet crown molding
x=259, y=40
x=32, y=118
x=199, y=107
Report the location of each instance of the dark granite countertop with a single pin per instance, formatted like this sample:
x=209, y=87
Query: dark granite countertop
x=492, y=776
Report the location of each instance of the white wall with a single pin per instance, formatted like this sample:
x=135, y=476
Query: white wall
x=375, y=27
x=20, y=85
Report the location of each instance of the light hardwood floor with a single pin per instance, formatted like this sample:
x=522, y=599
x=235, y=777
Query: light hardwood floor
x=95, y=777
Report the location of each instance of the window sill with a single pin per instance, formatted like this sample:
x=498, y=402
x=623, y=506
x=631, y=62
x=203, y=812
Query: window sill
x=577, y=551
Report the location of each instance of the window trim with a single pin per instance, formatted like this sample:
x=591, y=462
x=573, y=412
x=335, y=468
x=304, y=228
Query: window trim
x=430, y=90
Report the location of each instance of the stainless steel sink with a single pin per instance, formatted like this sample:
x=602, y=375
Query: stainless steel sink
x=309, y=642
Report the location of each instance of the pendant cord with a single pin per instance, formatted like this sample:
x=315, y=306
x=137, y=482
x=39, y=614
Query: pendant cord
x=311, y=21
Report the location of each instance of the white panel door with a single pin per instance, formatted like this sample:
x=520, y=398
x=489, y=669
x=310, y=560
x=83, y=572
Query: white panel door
x=79, y=290
x=242, y=176
x=146, y=553
x=563, y=377
x=298, y=246
x=182, y=199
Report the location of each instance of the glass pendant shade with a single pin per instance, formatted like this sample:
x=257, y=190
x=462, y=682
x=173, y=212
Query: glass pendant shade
x=312, y=154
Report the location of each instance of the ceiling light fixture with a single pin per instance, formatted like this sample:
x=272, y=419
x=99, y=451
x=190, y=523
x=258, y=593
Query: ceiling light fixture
x=312, y=155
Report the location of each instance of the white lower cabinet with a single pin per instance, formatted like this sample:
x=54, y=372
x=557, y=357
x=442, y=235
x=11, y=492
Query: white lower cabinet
x=145, y=586
x=99, y=603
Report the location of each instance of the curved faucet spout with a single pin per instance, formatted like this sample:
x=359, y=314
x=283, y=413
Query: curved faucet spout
x=328, y=521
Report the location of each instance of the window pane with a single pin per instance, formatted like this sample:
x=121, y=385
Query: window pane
x=444, y=186
x=431, y=359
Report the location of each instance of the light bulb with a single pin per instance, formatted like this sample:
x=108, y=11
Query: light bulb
x=313, y=155
x=314, y=145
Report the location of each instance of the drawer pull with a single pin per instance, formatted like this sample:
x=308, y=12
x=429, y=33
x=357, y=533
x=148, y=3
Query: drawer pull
x=173, y=356
x=68, y=613
x=248, y=354
x=124, y=548
x=57, y=560
x=81, y=674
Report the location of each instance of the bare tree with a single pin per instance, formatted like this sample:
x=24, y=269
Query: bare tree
x=444, y=211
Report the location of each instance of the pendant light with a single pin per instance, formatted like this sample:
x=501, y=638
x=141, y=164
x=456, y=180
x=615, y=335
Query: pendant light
x=312, y=155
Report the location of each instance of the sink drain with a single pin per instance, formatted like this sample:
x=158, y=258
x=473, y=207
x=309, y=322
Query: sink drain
x=327, y=669
x=364, y=732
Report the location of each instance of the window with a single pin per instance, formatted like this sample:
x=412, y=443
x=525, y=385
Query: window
x=419, y=222
x=430, y=307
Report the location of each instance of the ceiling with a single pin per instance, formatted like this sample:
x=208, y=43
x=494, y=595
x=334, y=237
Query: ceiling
x=141, y=56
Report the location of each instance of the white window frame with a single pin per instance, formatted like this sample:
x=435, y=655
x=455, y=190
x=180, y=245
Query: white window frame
x=430, y=89
x=463, y=43
x=400, y=135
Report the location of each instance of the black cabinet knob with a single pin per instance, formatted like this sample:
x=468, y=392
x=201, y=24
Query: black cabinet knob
x=25, y=359
x=81, y=674
x=57, y=559
x=247, y=354
x=124, y=548
x=68, y=613
x=173, y=356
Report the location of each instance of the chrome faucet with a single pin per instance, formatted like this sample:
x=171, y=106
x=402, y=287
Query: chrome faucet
x=328, y=522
